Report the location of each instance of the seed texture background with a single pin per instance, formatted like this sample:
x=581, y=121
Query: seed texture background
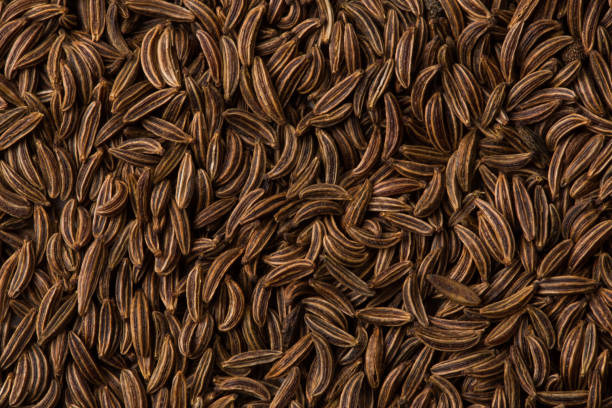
x=305, y=203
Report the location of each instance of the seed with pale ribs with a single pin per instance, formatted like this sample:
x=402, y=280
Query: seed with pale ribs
x=160, y=8
x=589, y=243
x=132, y=389
x=566, y=285
x=291, y=356
x=410, y=223
x=321, y=370
x=477, y=250
x=217, y=270
x=247, y=33
x=289, y=272
x=243, y=385
x=384, y=316
x=167, y=58
x=508, y=305
x=569, y=398
x=18, y=340
x=252, y=358
x=337, y=94
x=148, y=104
x=59, y=319
x=24, y=270
x=166, y=130
x=333, y=334
x=503, y=232
x=287, y=389
x=413, y=300
x=447, y=340
x=139, y=324
x=78, y=387
x=266, y=93
x=351, y=391
x=83, y=360
x=374, y=358
x=91, y=268
x=19, y=129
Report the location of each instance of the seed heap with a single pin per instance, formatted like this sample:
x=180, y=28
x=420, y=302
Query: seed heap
x=305, y=203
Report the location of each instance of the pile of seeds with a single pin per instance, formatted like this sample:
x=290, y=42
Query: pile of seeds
x=305, y=203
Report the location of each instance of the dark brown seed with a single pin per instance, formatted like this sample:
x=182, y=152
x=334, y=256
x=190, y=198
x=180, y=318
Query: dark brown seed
x=454, y=290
